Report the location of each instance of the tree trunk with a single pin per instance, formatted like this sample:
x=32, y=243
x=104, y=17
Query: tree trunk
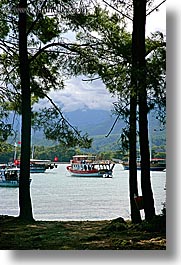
x=133, y=186
x=140, y=21
x=133, y=189
x=24, y=186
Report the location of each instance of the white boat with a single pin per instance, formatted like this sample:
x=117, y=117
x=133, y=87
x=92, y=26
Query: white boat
x=9, y=177
x=88, y=166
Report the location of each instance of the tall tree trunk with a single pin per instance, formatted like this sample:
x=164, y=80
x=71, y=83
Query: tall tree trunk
x=140, y=22
x=133, y=186
x=24, y=187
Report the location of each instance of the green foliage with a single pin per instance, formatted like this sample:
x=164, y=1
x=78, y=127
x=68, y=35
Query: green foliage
x=157, y=224
x=5, y=126
x=46, y=52
x=105, y=52
x=46, y=28
x=6, y=152
x=63, y=153
x=116, y=226
x=57, y=128
x=102, y=50
x=45, y=63
x=156, y=75
x=3, y=17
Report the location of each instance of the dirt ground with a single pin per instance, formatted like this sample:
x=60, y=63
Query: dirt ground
x=79, y=235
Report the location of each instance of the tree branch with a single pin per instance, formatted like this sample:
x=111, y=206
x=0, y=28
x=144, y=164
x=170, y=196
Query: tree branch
x=68, y=46
x=155, y=8
x=55, y=106
x=124, y=15
x=113, y=125
x=91, y=79
x=37, y=18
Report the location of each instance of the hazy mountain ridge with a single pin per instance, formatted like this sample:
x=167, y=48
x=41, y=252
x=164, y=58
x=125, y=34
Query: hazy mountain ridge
x=94, y=122
x=97, y=123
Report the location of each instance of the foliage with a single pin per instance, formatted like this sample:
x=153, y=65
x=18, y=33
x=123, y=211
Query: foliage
x=5, y=125
x=157, y=224
x=63, y=154
x=106, y=54
x=56, y=127
x=47, y=49
x=6, y=152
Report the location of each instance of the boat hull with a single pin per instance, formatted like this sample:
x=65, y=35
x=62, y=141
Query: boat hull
x=88, y=173
x=10, y=177
x=151, y=168
x=155, y=165
x=37, y=170
x=11, y=183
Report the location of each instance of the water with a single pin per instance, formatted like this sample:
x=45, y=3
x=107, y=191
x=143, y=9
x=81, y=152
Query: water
x=58, y=196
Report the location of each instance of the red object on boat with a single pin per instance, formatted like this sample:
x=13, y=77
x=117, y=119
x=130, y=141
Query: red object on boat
x=56, y=159
x=16, y=162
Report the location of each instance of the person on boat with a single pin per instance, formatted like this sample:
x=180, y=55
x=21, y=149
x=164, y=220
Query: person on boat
x=92, y=166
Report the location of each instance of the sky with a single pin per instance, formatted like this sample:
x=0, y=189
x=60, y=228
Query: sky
x=79, y=94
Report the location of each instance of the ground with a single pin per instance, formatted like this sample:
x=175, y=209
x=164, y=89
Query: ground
x=115, y=234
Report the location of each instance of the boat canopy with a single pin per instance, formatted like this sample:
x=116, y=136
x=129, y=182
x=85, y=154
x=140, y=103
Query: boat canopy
x=78, y=158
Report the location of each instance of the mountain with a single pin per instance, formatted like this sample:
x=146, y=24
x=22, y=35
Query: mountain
x=98, y=123
x=94, y=122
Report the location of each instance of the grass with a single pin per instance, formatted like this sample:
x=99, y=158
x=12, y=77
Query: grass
x=78, y=235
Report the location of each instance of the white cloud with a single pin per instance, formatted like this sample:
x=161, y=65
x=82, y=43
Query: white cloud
x=79, y=94
x=156, y=21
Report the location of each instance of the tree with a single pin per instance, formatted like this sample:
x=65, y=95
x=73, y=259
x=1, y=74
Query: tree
x=133, y=186
x=24, y=190
x=139, y=22
x=18, y=70
x=108, y=55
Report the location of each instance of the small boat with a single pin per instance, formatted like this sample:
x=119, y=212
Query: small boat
x=48, y=164
x=37, y=168
x=156, y=164
x=37, y=165
x=10, y=177
x=88, y=166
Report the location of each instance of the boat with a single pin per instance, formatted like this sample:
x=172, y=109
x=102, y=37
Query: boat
x=37, y=168
x=37, y=165
x=40, y=166
x=88, y=166
x=156, y=164
x=9, y=177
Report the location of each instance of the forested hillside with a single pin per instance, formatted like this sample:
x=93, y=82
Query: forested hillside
x=97, y=123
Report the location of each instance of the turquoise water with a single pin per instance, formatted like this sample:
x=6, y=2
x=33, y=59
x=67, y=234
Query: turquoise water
x=58, y=196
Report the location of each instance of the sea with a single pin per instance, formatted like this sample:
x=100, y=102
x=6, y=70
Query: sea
x=56, y=195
